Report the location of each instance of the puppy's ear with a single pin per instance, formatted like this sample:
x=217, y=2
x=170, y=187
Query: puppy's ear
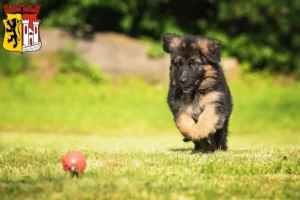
x=171, y=42
x=210, y=48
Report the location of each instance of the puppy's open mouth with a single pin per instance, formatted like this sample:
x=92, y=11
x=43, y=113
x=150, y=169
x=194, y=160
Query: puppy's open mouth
x=189, y=88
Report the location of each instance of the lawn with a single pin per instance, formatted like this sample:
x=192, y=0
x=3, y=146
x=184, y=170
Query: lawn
x=133, y=150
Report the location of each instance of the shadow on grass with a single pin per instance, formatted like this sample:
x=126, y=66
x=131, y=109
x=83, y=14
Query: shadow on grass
x=182, y=150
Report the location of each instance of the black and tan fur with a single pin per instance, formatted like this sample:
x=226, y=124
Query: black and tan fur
x=199, y=96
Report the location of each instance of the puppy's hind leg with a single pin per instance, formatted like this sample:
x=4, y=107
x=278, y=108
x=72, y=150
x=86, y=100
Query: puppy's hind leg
x=202, y=146
x=220, y=137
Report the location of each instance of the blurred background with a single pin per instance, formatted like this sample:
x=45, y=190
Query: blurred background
x=102, y=70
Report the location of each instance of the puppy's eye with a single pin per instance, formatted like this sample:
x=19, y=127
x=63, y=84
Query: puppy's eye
x=195, y=64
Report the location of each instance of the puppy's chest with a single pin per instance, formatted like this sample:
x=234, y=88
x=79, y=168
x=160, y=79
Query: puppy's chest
x=194, y=108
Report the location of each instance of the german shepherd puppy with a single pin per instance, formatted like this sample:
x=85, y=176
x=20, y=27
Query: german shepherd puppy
x=198, y=96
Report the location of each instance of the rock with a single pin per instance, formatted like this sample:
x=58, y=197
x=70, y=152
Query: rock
x=120, y=54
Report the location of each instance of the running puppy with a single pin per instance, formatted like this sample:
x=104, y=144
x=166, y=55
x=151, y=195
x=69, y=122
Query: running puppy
x=198, y=96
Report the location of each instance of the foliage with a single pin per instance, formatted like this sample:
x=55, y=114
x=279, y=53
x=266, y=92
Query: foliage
x=261, y=33
x=155, y=50
x=12, y=63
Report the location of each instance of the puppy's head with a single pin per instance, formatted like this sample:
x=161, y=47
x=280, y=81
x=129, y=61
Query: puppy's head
x=189, y=56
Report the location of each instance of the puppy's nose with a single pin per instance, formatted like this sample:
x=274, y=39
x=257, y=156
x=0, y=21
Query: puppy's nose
x=183, y=80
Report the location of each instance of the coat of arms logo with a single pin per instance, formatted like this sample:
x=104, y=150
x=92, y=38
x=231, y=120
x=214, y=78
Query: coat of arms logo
x=22, y=33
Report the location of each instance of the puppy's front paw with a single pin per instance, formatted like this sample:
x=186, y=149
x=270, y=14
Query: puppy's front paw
x=200, y=132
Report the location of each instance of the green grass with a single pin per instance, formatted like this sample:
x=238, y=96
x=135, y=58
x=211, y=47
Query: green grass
x=125, y=104
x=77, y=106
x=125, y=129
x=129, y=167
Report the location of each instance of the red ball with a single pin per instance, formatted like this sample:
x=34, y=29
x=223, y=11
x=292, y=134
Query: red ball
x=74, y=162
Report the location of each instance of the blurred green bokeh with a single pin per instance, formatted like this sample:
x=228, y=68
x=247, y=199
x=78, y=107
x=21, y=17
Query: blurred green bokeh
x=263, y=34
